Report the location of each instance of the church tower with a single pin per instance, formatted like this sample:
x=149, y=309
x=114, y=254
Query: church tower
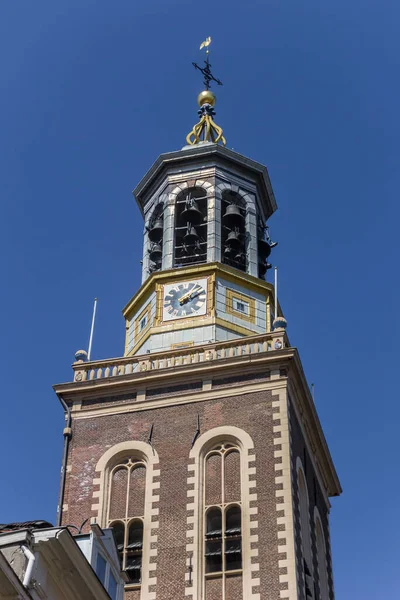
x=201, y=446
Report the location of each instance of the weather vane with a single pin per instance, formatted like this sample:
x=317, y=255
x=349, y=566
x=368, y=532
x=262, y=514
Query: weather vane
x=206, y=130
x=206, y=71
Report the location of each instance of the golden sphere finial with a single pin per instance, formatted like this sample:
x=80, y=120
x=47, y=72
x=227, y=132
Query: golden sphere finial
x=206, y=97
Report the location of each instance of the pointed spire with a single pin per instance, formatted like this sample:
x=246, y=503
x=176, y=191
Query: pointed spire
x=206, y=130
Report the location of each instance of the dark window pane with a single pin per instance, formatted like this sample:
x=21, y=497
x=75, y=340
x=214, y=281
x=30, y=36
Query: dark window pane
x=133, y=567
x=214, y=523
x=233, y=539
x=134, y=551
x=233, y=520
x=101, y=568
x=119, y=536
x=233, y=554
x=112, y=587
x=213, y=556
x=135, y=538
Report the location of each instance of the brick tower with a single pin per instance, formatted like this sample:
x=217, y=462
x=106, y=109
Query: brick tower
x=201, y=446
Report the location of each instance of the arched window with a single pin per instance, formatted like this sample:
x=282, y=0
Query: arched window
x=155, y=230
x=233, y=230
x=321, y=558
x=125, y=513
x=191, y=227
x=222, y=521
x=305, y=534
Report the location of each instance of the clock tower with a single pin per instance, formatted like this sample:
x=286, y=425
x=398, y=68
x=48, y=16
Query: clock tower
x=201, y=445
x=205, y=251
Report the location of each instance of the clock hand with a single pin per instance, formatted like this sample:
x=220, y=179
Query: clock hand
x=188, y=296
x=193, y=295
x=183, y=298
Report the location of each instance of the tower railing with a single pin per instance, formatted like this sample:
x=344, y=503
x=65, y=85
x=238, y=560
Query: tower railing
x=190, y=355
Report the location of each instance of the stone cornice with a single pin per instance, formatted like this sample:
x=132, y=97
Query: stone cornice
x=305, y=406
x=286, y=358
x=170, y=376
x=177, y=275
x=210, y=154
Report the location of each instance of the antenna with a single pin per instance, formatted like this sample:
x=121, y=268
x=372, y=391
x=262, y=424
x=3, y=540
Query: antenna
x=276, y=292
x=313, y=392
x=92, y=329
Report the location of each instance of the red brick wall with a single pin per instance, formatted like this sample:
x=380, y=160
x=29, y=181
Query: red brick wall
x=233, y=588
x=132, y=595
x=174, y=428
x=213, y=480
x=232, y=477
x=315, y=499
x=118, y=493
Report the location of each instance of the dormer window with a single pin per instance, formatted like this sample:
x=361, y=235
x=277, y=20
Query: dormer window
x=99, y=548
x=105, y=574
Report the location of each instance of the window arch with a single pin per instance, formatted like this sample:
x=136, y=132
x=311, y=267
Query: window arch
x=126, y=473
x=233, y=230
x=222, y=512
x=305, y=532
x=321, y=559
x=221, y=551
x=155, y=232
x=125, y=513
x=191, y=226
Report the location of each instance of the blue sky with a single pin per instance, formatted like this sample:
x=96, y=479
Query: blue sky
x=92, y=93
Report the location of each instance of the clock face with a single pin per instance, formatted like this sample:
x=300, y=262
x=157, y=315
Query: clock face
x=186, y=299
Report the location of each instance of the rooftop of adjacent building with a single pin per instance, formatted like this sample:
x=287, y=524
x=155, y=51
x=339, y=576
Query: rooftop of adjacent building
x=38, y=560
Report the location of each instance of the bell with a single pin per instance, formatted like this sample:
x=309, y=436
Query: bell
x=262, y=269
x=192, y=214
x=239, y=257
x=156, y=231
x=233, y=238
x=228, y=251
x=197, y=248
x=155, y=252
x=154, y=266
x=264, y=248
x=233, y=215
x=191, y=235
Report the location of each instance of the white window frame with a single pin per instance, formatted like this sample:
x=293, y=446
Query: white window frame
x=109, y=568
x=235, y=306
